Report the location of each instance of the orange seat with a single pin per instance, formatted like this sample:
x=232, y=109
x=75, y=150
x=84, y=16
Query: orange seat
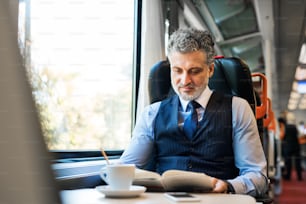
x=261, y=109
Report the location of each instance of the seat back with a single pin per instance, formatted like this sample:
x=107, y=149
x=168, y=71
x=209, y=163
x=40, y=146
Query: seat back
x=231, y=76
x=160, y=82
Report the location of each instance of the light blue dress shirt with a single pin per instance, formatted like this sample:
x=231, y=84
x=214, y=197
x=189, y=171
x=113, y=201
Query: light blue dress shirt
x=248, y=151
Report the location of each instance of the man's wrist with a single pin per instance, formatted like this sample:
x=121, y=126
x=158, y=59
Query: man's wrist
x=230, y=188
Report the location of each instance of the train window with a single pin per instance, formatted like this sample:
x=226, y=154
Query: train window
x=79, y=58
x=248, y=49
x=233, y=18
x=234, y=26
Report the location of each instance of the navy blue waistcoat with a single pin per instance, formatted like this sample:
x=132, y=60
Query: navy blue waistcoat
x=209, y=151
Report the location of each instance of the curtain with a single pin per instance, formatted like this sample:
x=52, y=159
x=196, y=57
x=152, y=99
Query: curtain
x=152, y=46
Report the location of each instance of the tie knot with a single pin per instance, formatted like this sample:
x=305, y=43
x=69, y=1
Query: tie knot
x=192, y=105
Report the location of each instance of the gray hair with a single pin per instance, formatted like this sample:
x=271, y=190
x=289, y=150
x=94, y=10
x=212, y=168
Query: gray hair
x=190, y=40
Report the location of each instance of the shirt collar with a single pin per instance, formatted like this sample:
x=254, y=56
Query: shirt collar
x=202, y=99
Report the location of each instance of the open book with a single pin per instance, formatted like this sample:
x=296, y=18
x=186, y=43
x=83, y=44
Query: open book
x=173, y=180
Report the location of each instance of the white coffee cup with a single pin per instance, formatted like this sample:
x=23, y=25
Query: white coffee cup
x=118, y=176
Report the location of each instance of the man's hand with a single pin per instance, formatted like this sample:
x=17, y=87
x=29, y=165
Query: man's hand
x=219, y=186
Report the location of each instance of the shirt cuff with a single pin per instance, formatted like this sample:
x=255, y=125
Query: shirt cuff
x=230, y=188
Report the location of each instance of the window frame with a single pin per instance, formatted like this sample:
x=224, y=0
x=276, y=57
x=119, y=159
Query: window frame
x=60, y=156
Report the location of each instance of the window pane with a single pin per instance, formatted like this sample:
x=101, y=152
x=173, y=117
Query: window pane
x=233, y=18
x=250, y=50
x=80, y=66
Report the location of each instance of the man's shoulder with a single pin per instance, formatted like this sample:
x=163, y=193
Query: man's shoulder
x=170, y=100
x=241, y=105
x=153, y=107
x=219, y=94
x=236, y=100
x=240, y=100
x=150, y=111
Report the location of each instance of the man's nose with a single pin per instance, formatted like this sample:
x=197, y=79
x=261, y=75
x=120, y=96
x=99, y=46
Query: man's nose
x=185, y=79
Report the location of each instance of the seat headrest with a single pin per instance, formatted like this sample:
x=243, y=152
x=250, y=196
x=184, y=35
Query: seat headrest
x=231, y=76
x=159, y=81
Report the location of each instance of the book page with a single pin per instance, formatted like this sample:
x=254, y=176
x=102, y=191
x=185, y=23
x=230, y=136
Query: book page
x=177, y=180
x=151, y=180
x=145, y=174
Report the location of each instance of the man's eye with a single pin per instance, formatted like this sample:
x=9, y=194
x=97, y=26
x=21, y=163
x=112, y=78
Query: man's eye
x=177, y=70
x=195, y=71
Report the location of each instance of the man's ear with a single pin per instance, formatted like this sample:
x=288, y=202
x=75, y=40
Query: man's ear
x=211, y=69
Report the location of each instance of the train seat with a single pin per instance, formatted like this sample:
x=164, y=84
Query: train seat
x=231, y=76
x=159, y=82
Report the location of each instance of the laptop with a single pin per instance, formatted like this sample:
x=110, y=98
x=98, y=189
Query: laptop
x=25, y=170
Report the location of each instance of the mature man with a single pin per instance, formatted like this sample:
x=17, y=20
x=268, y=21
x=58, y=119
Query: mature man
x=198, y=129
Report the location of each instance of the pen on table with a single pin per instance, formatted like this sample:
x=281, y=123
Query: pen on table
x=105, y=156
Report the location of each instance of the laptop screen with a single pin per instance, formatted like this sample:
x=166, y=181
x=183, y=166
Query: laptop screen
x=25, y=172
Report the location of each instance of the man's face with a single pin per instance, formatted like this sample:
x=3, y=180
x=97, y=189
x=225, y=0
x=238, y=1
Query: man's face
x=190, y=73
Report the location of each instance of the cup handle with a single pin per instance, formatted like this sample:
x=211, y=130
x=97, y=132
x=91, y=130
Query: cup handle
x=103, y=174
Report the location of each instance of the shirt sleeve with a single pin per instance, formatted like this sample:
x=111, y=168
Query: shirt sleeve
x=140, y=149
x=248, y=151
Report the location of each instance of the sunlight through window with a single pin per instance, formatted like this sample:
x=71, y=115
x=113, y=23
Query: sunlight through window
x=79, y=58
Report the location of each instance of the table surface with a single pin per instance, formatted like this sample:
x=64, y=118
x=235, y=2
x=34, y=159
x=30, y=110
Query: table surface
x=92, y=196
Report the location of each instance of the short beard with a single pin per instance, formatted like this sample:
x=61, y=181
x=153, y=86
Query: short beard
x=197, y=93
x=188, y=97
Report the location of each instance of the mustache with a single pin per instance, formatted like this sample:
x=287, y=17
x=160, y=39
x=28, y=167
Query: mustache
x=186, y=86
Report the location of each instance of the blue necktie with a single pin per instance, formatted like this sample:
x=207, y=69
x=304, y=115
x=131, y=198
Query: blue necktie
x=191, y=122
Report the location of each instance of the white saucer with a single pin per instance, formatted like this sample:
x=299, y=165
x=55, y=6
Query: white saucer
x=134, y=191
